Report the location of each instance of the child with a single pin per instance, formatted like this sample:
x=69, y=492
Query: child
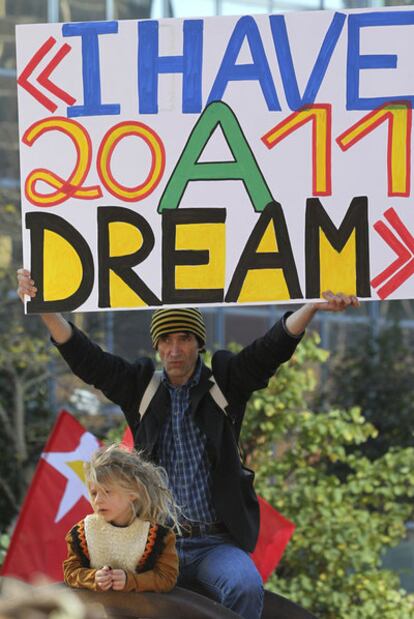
x=126, y=544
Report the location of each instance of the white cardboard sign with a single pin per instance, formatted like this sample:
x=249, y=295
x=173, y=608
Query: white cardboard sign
x=225, y=160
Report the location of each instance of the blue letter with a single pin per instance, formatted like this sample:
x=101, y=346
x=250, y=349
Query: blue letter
x=356, y=61
x=287, y=69
x=89, y=31
x=150, y=64
x=259, y=70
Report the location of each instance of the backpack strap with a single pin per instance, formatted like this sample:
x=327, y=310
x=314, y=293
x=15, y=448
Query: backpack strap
x=149, y=393
x=152, y=387
x=218, y=396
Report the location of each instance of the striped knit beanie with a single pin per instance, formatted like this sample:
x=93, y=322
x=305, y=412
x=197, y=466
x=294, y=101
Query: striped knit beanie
x=175, y=320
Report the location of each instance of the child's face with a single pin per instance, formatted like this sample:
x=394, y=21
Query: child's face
x=112, y=503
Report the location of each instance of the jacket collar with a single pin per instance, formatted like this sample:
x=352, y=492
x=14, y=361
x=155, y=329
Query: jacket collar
x=199, y=390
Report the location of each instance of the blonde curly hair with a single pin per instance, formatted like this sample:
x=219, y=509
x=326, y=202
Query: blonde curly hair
x=129, y=470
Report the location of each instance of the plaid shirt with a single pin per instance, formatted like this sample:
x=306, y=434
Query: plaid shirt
x=182, y=452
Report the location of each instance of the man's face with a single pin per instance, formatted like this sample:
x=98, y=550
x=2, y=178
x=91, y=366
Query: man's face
x=179, y=354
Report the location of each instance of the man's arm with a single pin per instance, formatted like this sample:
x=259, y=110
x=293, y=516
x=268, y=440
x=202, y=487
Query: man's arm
x=297, y=322
x=120, y=381
x=57, y=325
x=252, y=367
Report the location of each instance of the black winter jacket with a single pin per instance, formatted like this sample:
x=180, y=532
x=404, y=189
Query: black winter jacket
x=237, y=375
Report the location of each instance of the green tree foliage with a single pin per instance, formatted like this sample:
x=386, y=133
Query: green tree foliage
x=376, y=373
x=24, y=370
x=332, y=565
x=115, y=435
x=4, y=544
x=295, y=381
x=24, y=414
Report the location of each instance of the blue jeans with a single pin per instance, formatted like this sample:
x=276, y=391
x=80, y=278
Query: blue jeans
x=225, y=572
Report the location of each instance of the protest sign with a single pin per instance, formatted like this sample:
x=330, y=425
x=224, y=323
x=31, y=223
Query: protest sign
x=225, y=160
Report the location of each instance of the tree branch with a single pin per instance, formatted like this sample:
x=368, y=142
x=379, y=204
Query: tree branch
x=35, y=380
x=9, y=493
x=7, y=423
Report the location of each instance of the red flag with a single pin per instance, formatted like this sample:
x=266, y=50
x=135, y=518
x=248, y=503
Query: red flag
x=128, y=439
x=57, y=498
x=274, y=534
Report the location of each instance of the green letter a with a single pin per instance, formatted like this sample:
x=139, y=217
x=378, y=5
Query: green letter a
x=244, y=166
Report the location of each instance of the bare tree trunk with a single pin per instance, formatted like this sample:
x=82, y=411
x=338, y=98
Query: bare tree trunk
x=19, y=419
x=7, y=425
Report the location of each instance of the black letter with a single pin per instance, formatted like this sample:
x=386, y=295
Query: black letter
x=252, y=259
x=171, y=257
x=122, y=265
x=356, y=219
x=37, y=223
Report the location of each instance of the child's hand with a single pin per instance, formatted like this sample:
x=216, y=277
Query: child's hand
x=103, y=578
x=118, y=580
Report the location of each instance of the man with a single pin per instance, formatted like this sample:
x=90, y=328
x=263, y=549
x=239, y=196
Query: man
x=189, y=422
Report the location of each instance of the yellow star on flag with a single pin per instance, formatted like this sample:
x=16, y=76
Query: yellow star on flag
x=70, y=465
